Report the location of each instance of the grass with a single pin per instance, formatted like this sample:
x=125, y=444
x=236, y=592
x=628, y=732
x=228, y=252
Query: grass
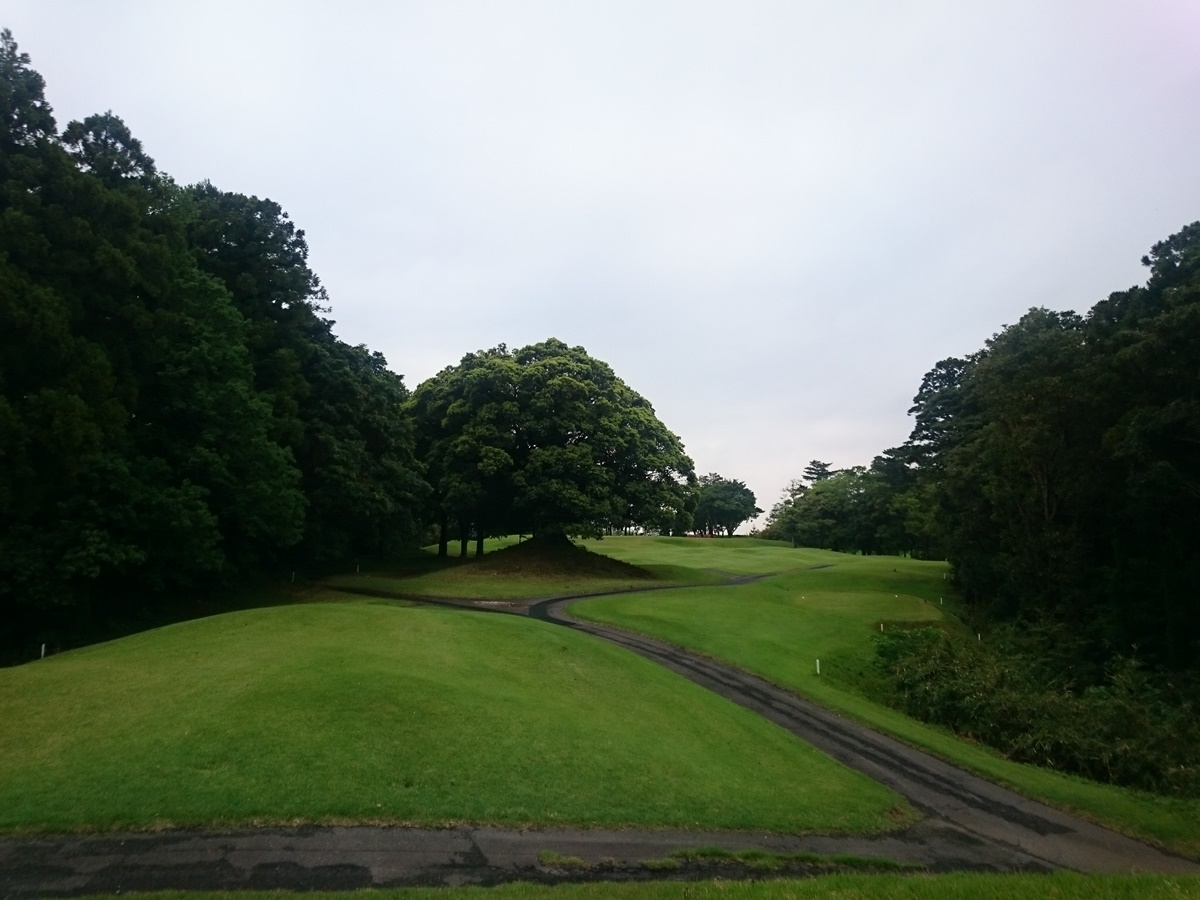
x=735, y=556
x=1059, y=886
x=462, y=582
x=368, y=712
x=778, y=627
x=520, y=571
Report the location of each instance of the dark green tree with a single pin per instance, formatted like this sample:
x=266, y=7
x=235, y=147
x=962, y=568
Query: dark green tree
x=549, y=441
x=817, y=471
x=723, y=505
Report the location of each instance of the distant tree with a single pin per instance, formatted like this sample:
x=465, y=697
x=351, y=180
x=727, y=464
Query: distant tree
x=817, y=471
x=723, y=505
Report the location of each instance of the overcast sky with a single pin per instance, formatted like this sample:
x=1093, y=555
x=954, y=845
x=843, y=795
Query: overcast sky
x=771, y=219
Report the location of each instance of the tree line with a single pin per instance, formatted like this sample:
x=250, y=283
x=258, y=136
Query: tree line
x=177, y=413
x=1057, y=469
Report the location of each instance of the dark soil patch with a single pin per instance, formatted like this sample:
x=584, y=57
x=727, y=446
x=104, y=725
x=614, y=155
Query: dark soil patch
x=555, y=555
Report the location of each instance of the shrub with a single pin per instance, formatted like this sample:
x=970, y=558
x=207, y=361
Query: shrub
x=1134, y=728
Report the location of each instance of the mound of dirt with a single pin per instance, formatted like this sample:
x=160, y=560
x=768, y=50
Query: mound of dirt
x=555, y=555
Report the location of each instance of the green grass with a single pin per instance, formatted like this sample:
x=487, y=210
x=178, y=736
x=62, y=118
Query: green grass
x=463, y=582
x=736, y=556
x=1059, y=886
x=358, y=712
x=780, y=626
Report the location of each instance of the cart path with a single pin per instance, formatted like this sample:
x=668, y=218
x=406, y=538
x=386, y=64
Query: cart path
x=942, y=791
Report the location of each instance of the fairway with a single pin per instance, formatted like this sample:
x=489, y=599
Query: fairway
x=737, y=556
x=362, y=711
x=778, y=627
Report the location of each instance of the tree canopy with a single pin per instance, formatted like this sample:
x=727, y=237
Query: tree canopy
x=546, y=440
x=1055, y=468
x=723, y=505
x=174, y=410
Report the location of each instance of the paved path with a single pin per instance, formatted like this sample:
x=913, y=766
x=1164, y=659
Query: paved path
x=971, y=824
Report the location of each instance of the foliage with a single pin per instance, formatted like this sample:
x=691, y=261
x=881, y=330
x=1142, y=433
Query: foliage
x=722, y=505
x=174, y=412
x=1055, y=468
x=546, y=440
x=1133, y=729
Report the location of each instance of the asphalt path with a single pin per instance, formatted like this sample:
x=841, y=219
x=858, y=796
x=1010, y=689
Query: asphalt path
x=970, y=824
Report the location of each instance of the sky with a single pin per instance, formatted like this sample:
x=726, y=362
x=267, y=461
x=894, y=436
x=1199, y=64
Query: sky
x=770, y=218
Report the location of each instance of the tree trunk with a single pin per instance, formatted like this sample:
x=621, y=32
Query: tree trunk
x=444, y=535
x=478, y=541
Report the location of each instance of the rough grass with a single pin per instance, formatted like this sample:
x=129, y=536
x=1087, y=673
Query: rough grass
x=780, y=626
x=372, y=712
x=1059, y=886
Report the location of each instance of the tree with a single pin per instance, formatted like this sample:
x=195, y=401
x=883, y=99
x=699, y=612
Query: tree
x=549, y=441
x=817, y=471
x=723, y=504
x=173, y=410
x=336, y=408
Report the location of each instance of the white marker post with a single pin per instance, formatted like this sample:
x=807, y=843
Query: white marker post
x=818, y=667
x=43, y=651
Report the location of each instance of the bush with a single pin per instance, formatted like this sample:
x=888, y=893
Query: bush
x=1134, y=728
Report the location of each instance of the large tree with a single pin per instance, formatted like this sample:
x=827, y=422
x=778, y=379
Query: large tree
x=723, y=504
x=547, y=440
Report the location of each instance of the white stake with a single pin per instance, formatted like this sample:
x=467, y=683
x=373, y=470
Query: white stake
x=818, y=667
x=881, y=627
x=979, y=637
x=43, y=651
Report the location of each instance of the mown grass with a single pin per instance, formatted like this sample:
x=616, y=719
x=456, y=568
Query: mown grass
x=1059, y=886
x=780, y=626
x=368, y=712
x=736, y=556
x=466, y=583
x=524, y=571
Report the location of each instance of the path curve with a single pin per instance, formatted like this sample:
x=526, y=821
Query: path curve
x=942, y=791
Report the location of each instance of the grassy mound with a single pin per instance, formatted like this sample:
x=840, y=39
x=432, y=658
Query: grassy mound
x=553, y=556
x=361, y=711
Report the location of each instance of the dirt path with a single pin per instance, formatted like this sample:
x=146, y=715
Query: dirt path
x=971, y=824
